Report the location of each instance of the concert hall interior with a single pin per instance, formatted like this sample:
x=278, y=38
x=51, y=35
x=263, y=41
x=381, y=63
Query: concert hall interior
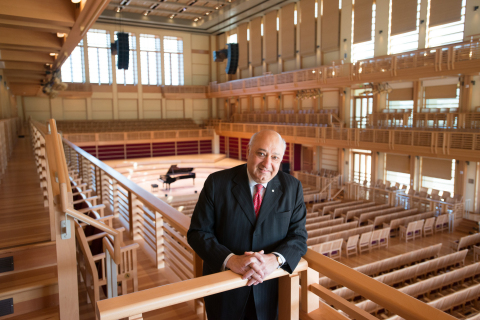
x=113, y=113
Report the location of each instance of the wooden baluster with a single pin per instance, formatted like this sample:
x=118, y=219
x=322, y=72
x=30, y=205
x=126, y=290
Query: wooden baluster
x=115, y=201
x=309, y=299
x=160, y=250
x=288, y=297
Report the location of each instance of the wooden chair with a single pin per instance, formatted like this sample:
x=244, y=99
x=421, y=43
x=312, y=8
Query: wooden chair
x=384, y=236
x=375, y=239
x=336, y=250
x=441, y=224
x=476, y=253
x=351, y=245
x=409, y=232
x=418, y=229
x=326, y=249
x=428, y=227
x=364, y=243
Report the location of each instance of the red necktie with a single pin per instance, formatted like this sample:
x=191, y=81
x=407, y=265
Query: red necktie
x=257, y=199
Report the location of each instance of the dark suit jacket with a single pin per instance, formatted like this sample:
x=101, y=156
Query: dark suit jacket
x=224, y=222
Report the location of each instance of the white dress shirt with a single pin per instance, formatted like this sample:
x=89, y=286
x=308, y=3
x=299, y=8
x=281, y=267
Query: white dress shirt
x=252, y=184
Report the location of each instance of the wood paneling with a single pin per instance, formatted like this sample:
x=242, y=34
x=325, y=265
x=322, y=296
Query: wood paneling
x=307, y=27
x=362, y=24
x=256, y=42
x=270, y=36
x=242, y=46
x=404, y=16
x=330, y=26
x=287, y=31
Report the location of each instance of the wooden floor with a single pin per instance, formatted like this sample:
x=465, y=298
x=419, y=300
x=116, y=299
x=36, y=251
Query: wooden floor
x=23, y=218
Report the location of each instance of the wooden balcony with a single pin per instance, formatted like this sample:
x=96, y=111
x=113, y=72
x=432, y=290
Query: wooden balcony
x=450, y=60
x=449, y=144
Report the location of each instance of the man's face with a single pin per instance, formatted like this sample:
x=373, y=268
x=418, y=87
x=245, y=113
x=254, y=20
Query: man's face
x=265, y=156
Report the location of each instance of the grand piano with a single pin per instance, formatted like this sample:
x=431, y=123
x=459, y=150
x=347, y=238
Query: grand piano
x=175, y=173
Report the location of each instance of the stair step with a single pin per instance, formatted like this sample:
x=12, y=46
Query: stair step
x=51, y=313
x=31, y=290
x=30, y=257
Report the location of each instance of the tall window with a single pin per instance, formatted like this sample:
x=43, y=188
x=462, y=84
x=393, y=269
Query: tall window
x=364, y=50
x=400, y=177
x=173, y=60
x=446, y=33
x=99, y=60
x=233, y=38
x=445, y=102
x=150, y=56
x=362, y=166
x=407, y=41
x=440, y=184
x=128, y=76
x=73, y=67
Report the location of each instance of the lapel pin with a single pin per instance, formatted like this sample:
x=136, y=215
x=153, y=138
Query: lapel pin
x=273, y=190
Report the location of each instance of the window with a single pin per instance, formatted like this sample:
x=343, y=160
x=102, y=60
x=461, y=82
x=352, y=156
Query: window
x=446, y=33
x=73, y=67
x=362, y=166
x=400, y=177
x=444, y=103
x=99, y=56
x=440, y=184
x=364, y=50
x=232, y=38
x=150, y=56
x=173, y=59
x=128, y=76
x=407, y=41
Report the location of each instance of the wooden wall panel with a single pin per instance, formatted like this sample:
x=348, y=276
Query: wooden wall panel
x=287, y=31
x=307, y=27
x=362, y=24
x=330, y=26
x=242, y=46
x=270, y=36
x=256, y=42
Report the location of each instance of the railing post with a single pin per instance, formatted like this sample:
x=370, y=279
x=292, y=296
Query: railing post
x=309, y=299
x=160, y=254
x=288, y=298
x=112, y=287
x=115, y=201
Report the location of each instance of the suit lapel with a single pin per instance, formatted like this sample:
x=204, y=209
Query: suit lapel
x=241, y=192
x=272, y=196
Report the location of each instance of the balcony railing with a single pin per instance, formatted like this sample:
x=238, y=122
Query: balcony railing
x=451, y=59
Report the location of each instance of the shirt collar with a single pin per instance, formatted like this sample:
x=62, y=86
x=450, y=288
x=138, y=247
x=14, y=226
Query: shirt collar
x=252, y=182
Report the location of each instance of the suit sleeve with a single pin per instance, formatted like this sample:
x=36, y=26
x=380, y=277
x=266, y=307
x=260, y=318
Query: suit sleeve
x=294, y=246
x=201, y=234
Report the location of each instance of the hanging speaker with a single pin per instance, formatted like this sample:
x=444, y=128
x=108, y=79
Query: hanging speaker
x=232, y=62
x=122, y=50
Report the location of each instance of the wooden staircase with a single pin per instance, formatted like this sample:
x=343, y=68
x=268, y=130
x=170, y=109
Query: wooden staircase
x=467, y=226
x=33, y=282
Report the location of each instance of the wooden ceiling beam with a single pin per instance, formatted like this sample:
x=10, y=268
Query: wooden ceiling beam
x=24, y=89
x=88, y=13
x=31, y=66
x=23, y=80
x=25, y=56
x=26, y=25
x=59, y=12
x=30, y=40
x=165, y=10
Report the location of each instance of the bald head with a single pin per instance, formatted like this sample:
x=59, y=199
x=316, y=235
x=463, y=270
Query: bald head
x=265, y=154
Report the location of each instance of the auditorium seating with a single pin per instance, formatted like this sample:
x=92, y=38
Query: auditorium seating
x=395, y=224
x=465, y=242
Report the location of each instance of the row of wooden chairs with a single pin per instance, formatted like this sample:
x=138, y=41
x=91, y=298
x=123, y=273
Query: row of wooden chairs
x=392, y=263
x=81, y=126
x=323, y=224
x=331, y=249
x=465, y=242
x=395, y=224
x=337, y=212
x=345, y=234
x=332, y=229
x=414, y=273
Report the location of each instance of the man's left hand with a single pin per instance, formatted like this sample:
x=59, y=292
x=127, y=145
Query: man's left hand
x=268, y=266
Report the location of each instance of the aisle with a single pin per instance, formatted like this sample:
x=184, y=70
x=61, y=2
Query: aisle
x=23, y=218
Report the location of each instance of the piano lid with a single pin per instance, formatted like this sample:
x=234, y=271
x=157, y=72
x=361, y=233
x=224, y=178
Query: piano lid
x=174, y=169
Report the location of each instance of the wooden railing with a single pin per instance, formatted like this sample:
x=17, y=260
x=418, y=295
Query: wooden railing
x=294, y=118
x=463, y=57
x=159, y=229
x=435, y=143
x=49, y=149
x=8, y=138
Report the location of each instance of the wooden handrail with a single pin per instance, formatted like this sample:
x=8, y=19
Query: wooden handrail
x=179, y=221
x=164, y=296
x=386, y=296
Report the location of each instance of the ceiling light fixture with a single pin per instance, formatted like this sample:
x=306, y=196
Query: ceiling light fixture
x=146, y=13
x=119, y=9
x=172, y=16
x=216, y=8
x=196, y=19
x=61, y=35
x=76, y=1
x=52, y=54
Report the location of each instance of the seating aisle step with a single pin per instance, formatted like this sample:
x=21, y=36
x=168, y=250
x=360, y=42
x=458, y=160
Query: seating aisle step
x=467, y=226
x=51, y=313
x=33, y=282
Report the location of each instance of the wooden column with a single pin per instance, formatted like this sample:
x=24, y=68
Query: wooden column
x=341, y=104
x=465, y=94
x=417, y=99
x=373, y=168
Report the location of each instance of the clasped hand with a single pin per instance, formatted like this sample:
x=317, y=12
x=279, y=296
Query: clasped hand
x=254, y=266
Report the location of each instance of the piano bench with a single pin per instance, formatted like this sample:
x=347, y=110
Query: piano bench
x=154, y=187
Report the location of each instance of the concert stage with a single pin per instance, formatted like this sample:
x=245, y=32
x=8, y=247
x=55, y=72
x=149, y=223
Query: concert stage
x=147, y=171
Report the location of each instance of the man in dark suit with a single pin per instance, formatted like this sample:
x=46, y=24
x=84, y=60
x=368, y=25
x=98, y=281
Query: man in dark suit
x=250, y=219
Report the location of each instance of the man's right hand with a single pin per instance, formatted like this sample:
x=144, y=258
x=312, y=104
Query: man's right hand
x=248, y=266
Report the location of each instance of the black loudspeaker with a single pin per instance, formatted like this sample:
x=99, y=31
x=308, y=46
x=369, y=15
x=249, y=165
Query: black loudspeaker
x=286, y=167
x=122, y=50
x=232, y=62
